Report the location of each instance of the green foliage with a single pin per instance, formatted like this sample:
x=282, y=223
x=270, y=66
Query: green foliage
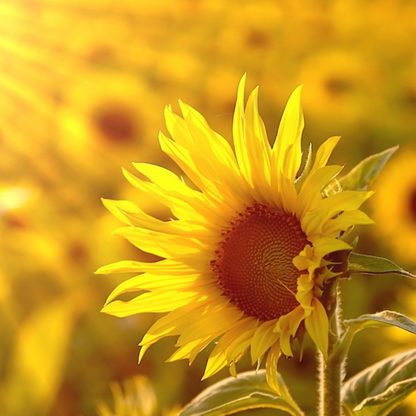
x=249, y=391
x=364, y=264
x=380, y=388
x=366, y=171
x=382, y=319
x=306, y=170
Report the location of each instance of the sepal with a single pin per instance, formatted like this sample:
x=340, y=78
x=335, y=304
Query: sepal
x=364, y=264
x=366, y=171
x=306, y=170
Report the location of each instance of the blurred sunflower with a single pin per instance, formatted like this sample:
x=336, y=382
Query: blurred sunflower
x=250, y=251
x=340, y=81
x=102, y=113
x=394, y=206
x=14, y=197
x=138, y=399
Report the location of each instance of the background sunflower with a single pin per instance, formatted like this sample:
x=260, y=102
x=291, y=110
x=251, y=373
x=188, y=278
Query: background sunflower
x=82, y=90
x=395, y=207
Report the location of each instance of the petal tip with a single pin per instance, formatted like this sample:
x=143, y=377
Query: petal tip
x=298, y=90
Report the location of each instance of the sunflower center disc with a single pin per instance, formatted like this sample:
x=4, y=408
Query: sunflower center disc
x=253, y=265
x=116, y=124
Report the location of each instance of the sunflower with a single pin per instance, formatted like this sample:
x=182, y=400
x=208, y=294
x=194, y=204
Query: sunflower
x=248, y=254
x=394, y=206
x=341, y=82
x=102, y=113
x=138, y=399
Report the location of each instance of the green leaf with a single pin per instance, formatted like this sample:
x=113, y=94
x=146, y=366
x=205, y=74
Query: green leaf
x=248, y=391
x=363, y=264
x=366, y=171
x=382, y=319
x=380, y=388
x=308, y=166
x=377, y=320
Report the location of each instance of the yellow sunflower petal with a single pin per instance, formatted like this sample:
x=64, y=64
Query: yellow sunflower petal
x=258, y=148
x=201, y=346
x=160, y=244
x=310, y=195
x=263, y=339
x=156, y=302
x=167, y=180
x=285, y=344
x=183, y=159
x=271, y=368
x=324, y=246
x=289, y=134
x=303, y=262
x=215, y=320
x=208, y=150
x=134, y=216
x=177, y=128
x=287, y=327
x=317, y=326
x=233, y=370
x=305, y=294
x=242, y=342
x=217, y=359
x=239, y=133
x=216, y=362
x=191, y=350
x=206, y=139
x=345, y=201
x=344, y=221
x=152, y=282
x=198, y=170
x=171, y=324
x=175, y=323
x=117, y=207
x=314, y=221
x=324, y=152
x=317, y=221
x=170, y=267
x=210, y=146
x=289, y=196
x=180, y=205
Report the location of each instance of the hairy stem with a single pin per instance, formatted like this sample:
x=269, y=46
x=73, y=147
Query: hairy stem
x=331, y=370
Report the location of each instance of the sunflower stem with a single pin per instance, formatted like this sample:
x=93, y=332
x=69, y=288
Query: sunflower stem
x=331, y=369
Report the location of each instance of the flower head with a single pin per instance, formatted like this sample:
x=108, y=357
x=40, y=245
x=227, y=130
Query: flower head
x=249, y=253
x=394, y=206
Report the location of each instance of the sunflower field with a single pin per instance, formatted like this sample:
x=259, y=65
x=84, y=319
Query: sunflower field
x=85, y=88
